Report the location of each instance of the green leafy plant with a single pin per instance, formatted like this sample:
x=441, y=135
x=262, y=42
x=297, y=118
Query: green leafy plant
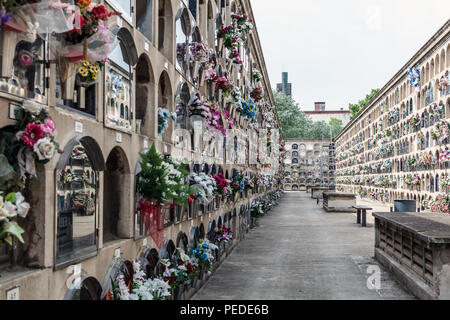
x=163, y=179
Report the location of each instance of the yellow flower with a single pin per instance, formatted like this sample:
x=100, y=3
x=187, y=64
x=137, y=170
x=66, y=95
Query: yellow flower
x=85, y=63
x=83, y=72
x=94, y=76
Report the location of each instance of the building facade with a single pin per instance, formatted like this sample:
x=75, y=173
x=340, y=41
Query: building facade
x=285, y=87
x=308, y=163
x=397, y=146
x=321, y=114
x=84, y=219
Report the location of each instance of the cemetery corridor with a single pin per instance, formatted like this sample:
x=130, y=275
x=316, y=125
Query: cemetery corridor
x=299, y=251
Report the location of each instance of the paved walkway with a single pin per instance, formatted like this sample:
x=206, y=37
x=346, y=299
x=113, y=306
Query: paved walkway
x=301, y=252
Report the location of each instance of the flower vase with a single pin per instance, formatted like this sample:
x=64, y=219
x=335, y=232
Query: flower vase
x=68, y=76
x=138, y=126
x=201, y=77
x=195, y=69
x=220, y=44
x=9, y=41
x=178, y=292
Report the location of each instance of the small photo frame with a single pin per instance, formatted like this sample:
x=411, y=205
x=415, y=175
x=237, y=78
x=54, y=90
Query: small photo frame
x=13, y=110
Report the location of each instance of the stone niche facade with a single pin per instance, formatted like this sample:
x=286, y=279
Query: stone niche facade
x=391, y=140
x=103, y=129
x=308, y=163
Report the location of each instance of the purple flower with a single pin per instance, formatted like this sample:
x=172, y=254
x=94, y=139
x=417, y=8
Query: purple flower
x=5, y=16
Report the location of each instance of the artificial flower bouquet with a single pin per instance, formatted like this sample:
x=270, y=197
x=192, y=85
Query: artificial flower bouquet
x=248, y=109
x=222, y=185
x=12, y=205
x=205, y=186
x=242, y=23
x=199, y=52
x=441, y=132
x=90, y=18
x=197, y=107
x=443, y=83
x=36, y=135
x=140, y=287
x=224, y=234
x=441, y=204
x=213, y=123
x=412, y=180
x=257, y=94
x=204, y=255
x=88, y=72
x=444, y=155
x=163, y=119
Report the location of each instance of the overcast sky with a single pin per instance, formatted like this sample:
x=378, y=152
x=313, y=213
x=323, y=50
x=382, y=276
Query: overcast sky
x=337, y=51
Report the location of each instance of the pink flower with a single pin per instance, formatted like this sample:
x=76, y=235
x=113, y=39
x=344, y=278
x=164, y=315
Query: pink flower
x=49, y=126
x=25, y=58
x=33, y=132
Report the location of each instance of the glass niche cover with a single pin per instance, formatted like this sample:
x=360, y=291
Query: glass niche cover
x=77, y=186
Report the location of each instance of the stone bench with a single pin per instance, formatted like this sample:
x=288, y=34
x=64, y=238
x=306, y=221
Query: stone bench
x=361, y=210
x=317, y=192
x=338, y=201
x=416, y=249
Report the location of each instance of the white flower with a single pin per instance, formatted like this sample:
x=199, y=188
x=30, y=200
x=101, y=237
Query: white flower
x=3, y=215
x=10, y=209
x=23, y=208
x=44, y=149
x=32, y=107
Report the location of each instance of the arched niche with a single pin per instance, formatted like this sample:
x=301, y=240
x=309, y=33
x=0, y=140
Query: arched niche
x=145, y=97
x=117, y=267
x=194, y=237
x=211, y=235
x=117, y=212
x=169, y=250
x=182, y=99
x=183, y=31
x=76, y=199
x=165, y=100
x=89, y=289
x=182, y=241
x=149, y=260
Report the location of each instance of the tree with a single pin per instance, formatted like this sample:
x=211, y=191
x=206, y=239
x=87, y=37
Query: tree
x=296, y=124
x=355, y=108
x=336, y=126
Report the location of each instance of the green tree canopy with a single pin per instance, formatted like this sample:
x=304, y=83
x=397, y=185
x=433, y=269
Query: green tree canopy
x=296, y=124
x=356, y=107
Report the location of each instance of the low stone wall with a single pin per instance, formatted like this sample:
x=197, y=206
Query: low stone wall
x=339, y=202
x=416, y=249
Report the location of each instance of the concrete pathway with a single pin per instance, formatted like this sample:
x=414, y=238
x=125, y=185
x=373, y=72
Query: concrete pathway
x=299, y=251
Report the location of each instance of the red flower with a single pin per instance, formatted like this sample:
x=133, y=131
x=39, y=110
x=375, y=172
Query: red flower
x=100, y=12
x=33, y=132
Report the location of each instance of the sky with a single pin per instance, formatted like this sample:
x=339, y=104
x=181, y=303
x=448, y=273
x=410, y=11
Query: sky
x=337, y=51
